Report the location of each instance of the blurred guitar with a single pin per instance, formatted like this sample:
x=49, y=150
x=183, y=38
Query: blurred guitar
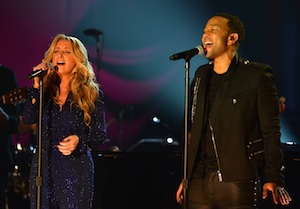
x=15, y=96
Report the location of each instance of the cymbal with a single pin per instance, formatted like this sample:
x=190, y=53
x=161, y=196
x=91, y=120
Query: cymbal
x=92, y=32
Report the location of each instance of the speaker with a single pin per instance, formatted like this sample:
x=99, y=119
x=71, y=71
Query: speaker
x=134, y=180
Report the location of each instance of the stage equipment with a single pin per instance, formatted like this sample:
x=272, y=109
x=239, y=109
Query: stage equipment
x=187, y=56
x=96, y=34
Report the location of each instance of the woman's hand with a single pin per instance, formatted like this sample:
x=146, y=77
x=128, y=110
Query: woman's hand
x=36, y=80
x=68, y=144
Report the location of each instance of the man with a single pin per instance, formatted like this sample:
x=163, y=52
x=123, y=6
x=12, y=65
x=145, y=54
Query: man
x=9, y=120
x=235, y=134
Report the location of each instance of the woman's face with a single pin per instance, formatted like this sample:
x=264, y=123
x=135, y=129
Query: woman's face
x=63, y=57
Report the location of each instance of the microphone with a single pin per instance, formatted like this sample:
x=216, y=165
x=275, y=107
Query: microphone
x=41, y=72
x=188, y=54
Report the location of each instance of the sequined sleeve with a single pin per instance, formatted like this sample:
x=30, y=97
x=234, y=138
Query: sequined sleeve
x=97, y=133
x=97, y=130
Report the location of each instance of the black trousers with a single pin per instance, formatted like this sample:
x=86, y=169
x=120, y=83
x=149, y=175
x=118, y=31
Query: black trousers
x=208, y=193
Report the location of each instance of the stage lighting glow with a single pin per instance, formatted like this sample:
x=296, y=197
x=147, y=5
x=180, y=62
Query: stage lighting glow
x=169, y=140
x=156, y=119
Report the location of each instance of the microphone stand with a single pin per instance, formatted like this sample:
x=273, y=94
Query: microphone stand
x=186, y=108
x=120, y=131
x=96, y=34
x=187, y=56
x=98, y=53
x=39, y=179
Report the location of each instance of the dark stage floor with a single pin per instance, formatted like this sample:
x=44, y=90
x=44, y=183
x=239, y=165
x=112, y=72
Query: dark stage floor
x=146, y=180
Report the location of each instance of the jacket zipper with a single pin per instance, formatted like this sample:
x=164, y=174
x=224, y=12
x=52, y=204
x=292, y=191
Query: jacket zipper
x=216, y=151
x=195, y=95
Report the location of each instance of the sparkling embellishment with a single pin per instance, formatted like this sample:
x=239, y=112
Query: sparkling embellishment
x=68, y=181
x=234, y=101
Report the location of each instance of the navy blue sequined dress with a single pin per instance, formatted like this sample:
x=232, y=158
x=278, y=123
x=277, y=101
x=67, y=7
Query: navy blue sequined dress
x=68, y=181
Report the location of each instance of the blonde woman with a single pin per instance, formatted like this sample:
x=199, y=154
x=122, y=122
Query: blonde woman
x=73, y=121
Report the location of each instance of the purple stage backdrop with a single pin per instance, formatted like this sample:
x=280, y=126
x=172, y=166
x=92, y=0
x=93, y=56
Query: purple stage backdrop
x=138, y=36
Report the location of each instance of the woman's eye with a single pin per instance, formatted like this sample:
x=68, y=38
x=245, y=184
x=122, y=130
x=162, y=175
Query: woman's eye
x=62, y=52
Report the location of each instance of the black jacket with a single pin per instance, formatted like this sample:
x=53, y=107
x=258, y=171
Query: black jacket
x=244, y=121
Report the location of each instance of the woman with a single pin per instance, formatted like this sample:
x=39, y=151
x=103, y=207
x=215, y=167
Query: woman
x=73, y=120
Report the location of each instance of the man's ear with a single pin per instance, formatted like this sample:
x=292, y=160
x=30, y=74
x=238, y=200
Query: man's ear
x=232, y=38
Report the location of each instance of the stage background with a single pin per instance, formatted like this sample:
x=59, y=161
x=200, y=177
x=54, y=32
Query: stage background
x=137, y=77
x=138, y=36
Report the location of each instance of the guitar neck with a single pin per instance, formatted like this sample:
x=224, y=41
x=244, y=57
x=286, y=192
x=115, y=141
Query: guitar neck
x=15, y=96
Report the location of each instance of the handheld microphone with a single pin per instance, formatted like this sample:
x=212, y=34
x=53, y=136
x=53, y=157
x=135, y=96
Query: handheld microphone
x=41, y=72
x=188, y=54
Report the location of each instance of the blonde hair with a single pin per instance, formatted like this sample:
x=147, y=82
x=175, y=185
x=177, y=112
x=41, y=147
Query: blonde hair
x=84, y=88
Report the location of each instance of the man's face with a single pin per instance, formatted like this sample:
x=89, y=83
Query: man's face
x=215, y=37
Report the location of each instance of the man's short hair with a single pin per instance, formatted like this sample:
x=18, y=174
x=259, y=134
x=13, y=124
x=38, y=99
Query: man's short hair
x=235, y=25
